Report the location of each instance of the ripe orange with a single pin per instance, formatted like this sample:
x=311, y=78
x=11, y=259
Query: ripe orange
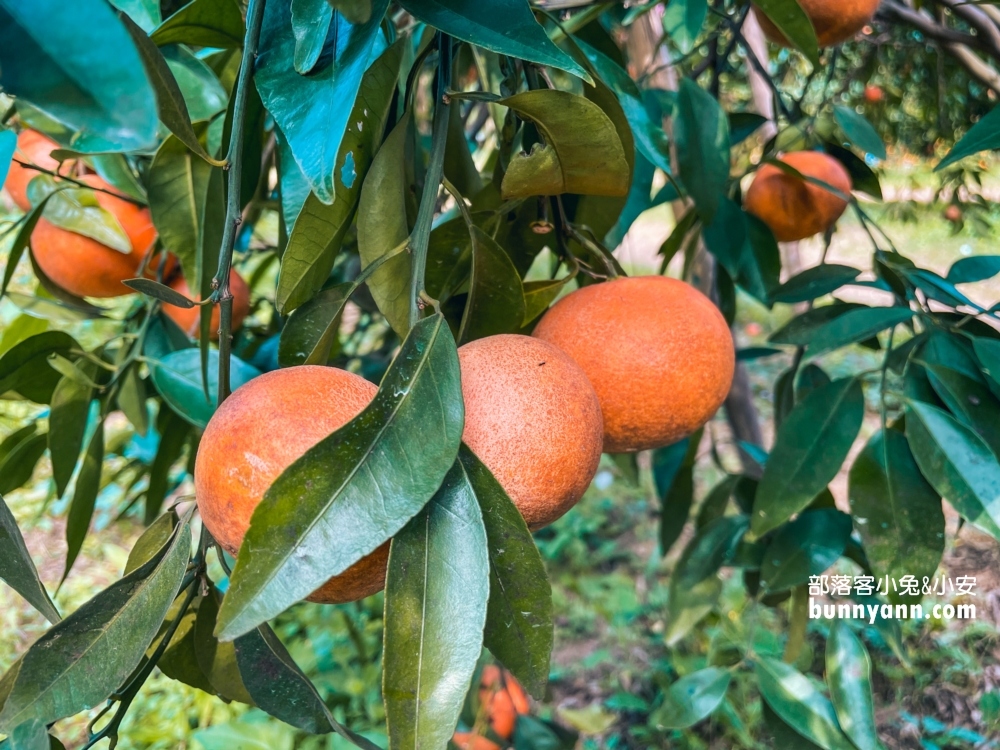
x=84, y=266
x=262, y=428
x=874, y=94
x=835, y=21
x=189, y=318
x=658, y=352
x=793, y=208
x=34, y=148
x=503, y=699
x=533, y=418
x=469, y=741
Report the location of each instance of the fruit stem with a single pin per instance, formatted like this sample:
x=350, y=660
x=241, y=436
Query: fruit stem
x=234, y=161
x=421, y=235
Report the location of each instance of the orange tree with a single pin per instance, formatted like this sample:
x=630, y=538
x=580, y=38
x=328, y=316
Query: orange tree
x=422, y=159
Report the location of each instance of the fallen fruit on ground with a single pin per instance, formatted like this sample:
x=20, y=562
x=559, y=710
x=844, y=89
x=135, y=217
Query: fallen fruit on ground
x=792, y=207
x=835, y=21
x=32, y=148
x=533, y=418
x=503, y=699
x=189, y=318
x=657, y=351
x=261, y=429
x=468, y=741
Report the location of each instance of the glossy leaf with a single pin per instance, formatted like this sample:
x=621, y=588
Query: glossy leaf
x=21, y=240
x=436, y=595
x=319, y=230
x=988, y=352
x=712, y=547
x=153, y=539
x=17, y=569
x=67, y=424
x=976, y=268
x=796, y=700
x=983, y=136
x=310, y=25
x=692, y=698
x=179, y=661
x=203, y=93
x=582, y=152
x=310, y=333
x=77, y=210
x=496, y=298
x=82, y=660
x=312, y=111
x=132, y=400
x=800, y=330
x=19, y=465
x=849, y=674
x=683, y=20
x=809, y=450
x=805, y=547
x=859, y=132
x=519, y=615
x=896, y=512
x=701, y=130
x=957, y=463
x=178, y=378
x=81, y=510
x=162, y=292
x=815, y=282
x=77, y=63
x=969, y=400
x=204, y=23
x=24, y=367
x=794, y=23
x=354, y=489
x=216, y=659
x=506, y=27
x=382, y=226
x=854, y=326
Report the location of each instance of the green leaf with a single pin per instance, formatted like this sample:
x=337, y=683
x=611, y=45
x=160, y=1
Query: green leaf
x=203, y=23
x=170, y=105
x=19, y=465
x=800, y=330
x=355, y=11
x=582, y=152
x=8, y=144
x=80, y=661
x=859, y=132
x=19, y=244
x=118, y=173
x=686, y=607
x=712, y=547
x=319, y=229
x=701, y=130
x=809, y=450
x=692, y=698
x=174, y=431
x=794, y=23
x=814, y=282
x=988, y=352
x=312, y=111
x=178, y=378
x=17, y=568
x=78, y=64
x=799, y=704
x=382, y=226
x=969, y=400
x=506, y=27
x=354, y=489
x=805, y=547
x=216, y=659
x=77, y=210
x=31, y=735
x=957, y=463
x=310, y=24
x=496, y=298
x=436, y=596
x=25, y=368
x=146, y=13
x=976, y=268
x=983, y=136
x=673, y=475
x=310, y=333
x=849, y=674
x=179, y=661
x=519, y=615
x=683, y=20
x=202, y=92
x=538, y=295
x=855, y=326
x=157, y=535
x=132, y=400
x=162, y=292
x=67, y=425
x=896, y=512
x=81, y=511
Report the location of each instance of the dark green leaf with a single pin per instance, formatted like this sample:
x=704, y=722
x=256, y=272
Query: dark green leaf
x=859, y=132
x=673, y=475
x=988, y=352
x=436, y=596
x=217, y=660
x=702, y=134
x=179, y=661
x=849, y=674
x=496, y=299
x=957, y=463
x=17, y=568
x=174, y=431
x=976, y=268
x=24, y=367
x=355, y=11
x=688, y=606
x=983, y=136
x=519, y=616
x=363, y=482
x=77, y=210
x=178, y=378
x=19, y=465
x=78, y=64
x=805, y=547
x=204, y=23
x=808, y=452
x=744, y=124
x=897, y=514
x=582, y=152
x=799, y=704
x=507, y=27
x=82, y=660
x=855, y=326
x=692, y=698
x=159, y=291
x=312, y=111
x=712, y=547
x=538, y=295
x=132, y=400
x=794, y=23
x=815, y=282
x=682, y=22
x=311, y=331
x=201, y=89
x=800, y=330
x=67, y=425
x=153, y=539
x=81, y=511
x=969, y=400
x=19, y=244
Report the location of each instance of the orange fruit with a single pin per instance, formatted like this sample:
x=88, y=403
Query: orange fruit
x=84, y=266
x=469, y=741
x=874, y=94
x=503, y=699
x=658, y=352
x=34, y=148
x=533, y=418
x=261, y=429
x=793, y=208
x=835, y=21
x=189, y=318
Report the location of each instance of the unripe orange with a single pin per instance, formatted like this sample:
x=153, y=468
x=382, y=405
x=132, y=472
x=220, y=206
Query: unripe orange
x=658, y=352
x=793, y=208
x=503, y=699
x=189, y=318
x=533, y=418
x=835, y=21
x=257, y=433
x=469, y=741
x=33, y=148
